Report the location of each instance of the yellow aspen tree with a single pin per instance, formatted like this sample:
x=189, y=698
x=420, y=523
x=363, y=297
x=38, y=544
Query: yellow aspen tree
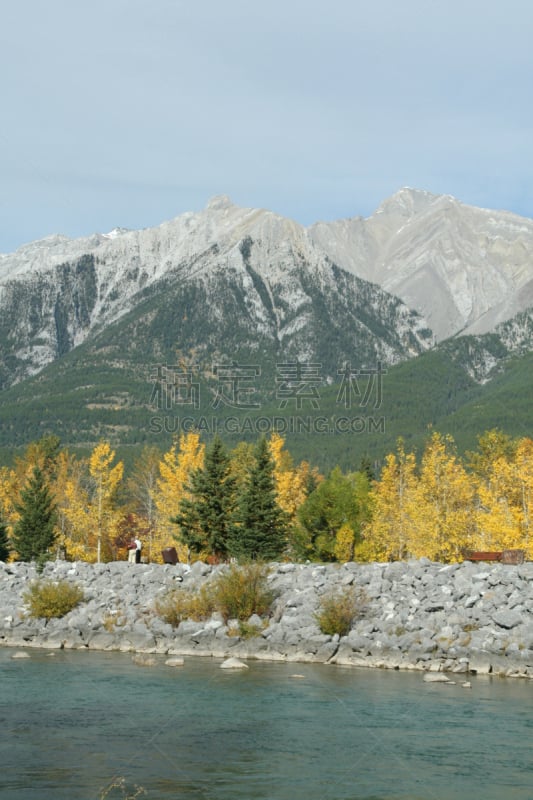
x=175, y=469
x=44, y=454
x=105, y=480
x=498, y=518
x=142, y=490
x=492, y=444
x=344, y=543
x=65, y=467
x=441, y=508
x=386, y=535
x=77, y=520
x=524, y=475
x=505, y=499
x=291, y=484
x=9, y=495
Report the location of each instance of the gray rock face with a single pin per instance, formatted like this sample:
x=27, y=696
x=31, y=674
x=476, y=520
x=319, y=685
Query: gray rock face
x=57, y=293
x=507, y=619
x=414, y=615
x=414, y=243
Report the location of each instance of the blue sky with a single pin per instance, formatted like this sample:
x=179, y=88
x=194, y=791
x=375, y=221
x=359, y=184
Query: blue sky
x=129, y=112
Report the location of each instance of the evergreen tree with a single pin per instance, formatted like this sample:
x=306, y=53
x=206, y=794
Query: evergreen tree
x=205, y=518
x=261, y=532
x=339, y=502
x=367, y=468
x=34, y=532
x=4, y=542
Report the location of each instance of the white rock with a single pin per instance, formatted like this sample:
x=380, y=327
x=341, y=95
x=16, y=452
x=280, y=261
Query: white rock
x=174, y=662
x=436, y=677
x=233, y=663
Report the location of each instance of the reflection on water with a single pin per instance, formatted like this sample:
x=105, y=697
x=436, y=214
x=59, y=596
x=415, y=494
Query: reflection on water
x=74, y=723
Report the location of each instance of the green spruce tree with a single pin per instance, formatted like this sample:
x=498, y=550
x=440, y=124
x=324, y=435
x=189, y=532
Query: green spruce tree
x=34, y=532
x=261, y=532
x=366, y=467
x=5, y=549
x=339, y=500
x=206, y=519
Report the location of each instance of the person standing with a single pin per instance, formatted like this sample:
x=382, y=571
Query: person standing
x=138, y=548
x=132, y=551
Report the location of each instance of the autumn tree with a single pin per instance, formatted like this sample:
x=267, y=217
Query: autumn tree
x=76, y=512
x=524, y=475
x=175, y=470
x=9, y=494
x=42, y=453
x=492, y=445
x=441, y=507
x=292, y=483
x=387, y=533
x=505, y=495
x=105, y=481
x=142, y=490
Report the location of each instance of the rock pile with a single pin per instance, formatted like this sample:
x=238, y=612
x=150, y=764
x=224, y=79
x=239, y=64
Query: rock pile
x=457, y=618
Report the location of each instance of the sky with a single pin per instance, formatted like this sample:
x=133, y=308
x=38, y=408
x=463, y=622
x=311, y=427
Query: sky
x=130, y=112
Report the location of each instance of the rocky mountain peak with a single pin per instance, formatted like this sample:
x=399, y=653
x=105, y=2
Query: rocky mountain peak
x=407, y=202
x=219, y=202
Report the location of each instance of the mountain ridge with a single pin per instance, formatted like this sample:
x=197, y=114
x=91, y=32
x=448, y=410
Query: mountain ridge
x=231, y=285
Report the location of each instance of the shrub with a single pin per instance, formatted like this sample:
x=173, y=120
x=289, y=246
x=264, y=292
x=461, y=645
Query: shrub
x=247, y=631
x=338, y=610
x=180, y=604
x=243, y=591
x=236, y=594
x=113, y=620
x=52, y=598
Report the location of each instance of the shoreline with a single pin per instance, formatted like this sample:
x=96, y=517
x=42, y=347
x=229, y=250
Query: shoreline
x=462, y=619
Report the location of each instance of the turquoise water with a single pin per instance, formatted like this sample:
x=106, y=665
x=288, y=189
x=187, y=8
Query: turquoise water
x=73, y=723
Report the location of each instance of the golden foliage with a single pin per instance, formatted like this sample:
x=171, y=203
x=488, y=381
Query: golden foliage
x=386, y=536
x=9, y=494
x=291, y=482
x=85, y=493
x=175, y=469
x=344, y=543
x=505, y=501
x=440, y=507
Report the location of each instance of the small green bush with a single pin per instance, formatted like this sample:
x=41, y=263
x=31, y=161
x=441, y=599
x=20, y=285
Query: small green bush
x=49, y=599
x=338, y=610
x=247, y=631
x=180, y=604
x=243, y=591
x=236, y=594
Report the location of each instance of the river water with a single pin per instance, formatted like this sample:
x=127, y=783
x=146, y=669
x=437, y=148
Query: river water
x=75, y=723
